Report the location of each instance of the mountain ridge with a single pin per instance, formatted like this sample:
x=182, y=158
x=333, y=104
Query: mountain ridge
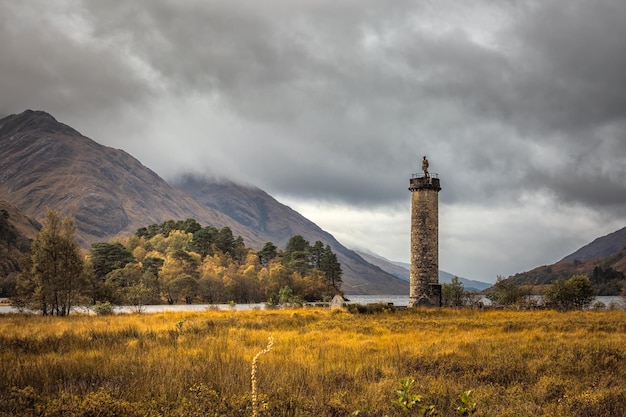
x=601, y=247
x=47, y=164
x=602, y=260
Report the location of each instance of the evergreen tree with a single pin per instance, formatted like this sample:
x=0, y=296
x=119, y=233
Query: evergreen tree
x=203, y=241
x=225, y=241
x=105, y=258
x=239, y=251
x=188, y=226
x=317, y=254
x=296, y=255
x=269, y=252
x=331, y=267
x=153, y=265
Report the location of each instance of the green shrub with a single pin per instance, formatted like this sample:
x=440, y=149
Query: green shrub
x=103, y=309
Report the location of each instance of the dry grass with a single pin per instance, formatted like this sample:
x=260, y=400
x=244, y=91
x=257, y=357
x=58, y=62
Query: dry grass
x=324, y=363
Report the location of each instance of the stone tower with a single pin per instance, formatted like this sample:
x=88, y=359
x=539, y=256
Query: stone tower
x=425, y=289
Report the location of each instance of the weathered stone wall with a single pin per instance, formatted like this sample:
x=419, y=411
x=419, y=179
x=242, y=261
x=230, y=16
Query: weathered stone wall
x=424, y=275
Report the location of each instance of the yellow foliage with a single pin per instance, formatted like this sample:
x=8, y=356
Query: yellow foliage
x=177, y=240
x=215, y=266
x=139, y=253
x=249, y=272
x=158, y=243
x=154, y=254
x=252, y=259
x=172, y=268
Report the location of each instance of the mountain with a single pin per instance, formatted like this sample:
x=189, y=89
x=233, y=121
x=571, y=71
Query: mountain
x=47, y=164
x=257, y=210
x=402, y=271
x=600, y=247
x=603, y=261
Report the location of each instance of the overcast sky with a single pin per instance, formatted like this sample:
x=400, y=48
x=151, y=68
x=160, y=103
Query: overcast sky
x=329, y=105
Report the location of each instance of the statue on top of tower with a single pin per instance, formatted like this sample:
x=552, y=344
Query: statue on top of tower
x=425, y=166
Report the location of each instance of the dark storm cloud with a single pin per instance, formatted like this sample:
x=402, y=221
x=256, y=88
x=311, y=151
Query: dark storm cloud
x=512, y=102
x=575, y=58
x=359, y=86
x=48, y=64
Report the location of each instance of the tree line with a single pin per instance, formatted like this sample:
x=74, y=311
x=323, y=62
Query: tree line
x=171, y=262
x=574, y=293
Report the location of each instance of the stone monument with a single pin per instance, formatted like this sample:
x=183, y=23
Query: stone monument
x=425, y=289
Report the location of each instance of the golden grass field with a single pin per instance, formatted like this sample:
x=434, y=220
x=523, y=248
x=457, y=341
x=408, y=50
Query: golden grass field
x=323, y=363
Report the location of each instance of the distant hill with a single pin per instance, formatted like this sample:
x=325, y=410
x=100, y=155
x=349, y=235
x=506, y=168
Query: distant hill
x=402, y=270
x=47, y=164
x=602, y=260
x=601, y=247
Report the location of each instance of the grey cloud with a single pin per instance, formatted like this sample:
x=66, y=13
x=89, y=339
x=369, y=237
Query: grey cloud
x=352, y=85
x=575, y=57
x=339, y=100
x=44, y=68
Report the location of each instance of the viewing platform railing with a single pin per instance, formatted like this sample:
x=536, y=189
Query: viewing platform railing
x=422, y=175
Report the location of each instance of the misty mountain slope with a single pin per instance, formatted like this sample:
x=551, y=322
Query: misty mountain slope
x=600, y=247
x=258, y=210
x=46, y=164
x=402, y=270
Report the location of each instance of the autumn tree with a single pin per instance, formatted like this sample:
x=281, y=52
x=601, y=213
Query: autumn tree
x=53, y=281
x=179, y=269
x=119, y=282
x=278, y=277
x=183, y=287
